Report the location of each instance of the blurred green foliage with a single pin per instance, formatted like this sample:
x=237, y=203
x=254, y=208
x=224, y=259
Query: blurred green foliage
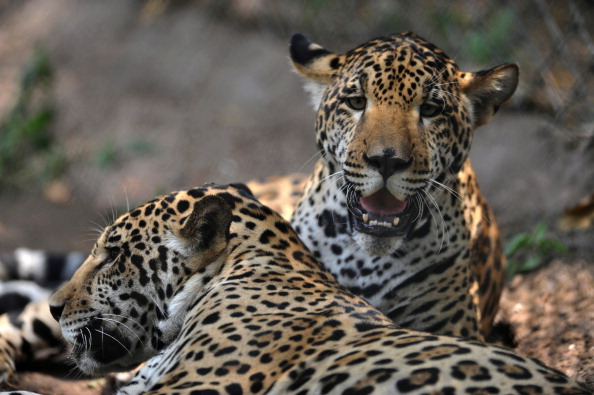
x=110, y=153
x=528, y=251
x=487, y=45
x=107, y=155
x=28, y=154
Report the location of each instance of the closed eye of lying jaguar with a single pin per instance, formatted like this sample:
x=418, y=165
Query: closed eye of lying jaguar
x=217, y=292
x=393, y=208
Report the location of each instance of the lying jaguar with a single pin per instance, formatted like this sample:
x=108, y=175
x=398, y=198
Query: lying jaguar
x=218, y=294
x=392, y=208
x=28, y=333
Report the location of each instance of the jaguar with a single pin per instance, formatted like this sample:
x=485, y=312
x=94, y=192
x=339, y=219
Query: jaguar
x=28, y=333
x=393, y=208
x=217, y=294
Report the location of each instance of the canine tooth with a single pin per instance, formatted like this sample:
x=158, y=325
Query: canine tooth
x=396, y=221
x=365, y=218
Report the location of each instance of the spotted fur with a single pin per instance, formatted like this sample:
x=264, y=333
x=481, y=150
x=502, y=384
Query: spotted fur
x=393, y=208
x=280, y=193
x=218, y=293
x=28, y=333
x=441, y=270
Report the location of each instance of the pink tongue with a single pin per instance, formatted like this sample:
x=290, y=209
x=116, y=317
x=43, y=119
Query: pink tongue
x=382, y=202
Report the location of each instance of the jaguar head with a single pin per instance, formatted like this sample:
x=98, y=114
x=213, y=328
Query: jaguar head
x=395, y=118
x=129, y=298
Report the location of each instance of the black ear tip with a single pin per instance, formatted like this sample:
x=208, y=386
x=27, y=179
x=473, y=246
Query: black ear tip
x=299, y=39
x=300, y=50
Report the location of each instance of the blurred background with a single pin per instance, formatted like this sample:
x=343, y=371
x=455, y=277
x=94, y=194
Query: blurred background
x=104, y=104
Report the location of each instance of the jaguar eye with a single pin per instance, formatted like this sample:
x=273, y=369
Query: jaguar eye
x=429, y=110
x=357, y=103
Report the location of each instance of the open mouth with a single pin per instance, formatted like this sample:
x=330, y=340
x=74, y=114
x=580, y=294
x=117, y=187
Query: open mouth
x=383, y=215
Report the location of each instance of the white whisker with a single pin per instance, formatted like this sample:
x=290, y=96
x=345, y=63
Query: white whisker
x=127, y=200
x=90, y=337
x=441, y=186
x=448, y=93
x=435, y=77
x=329, y=177
x=350, y=195
x=340, y=189
x=114, y=339
x=311, y=158
x=102, y=341
x=84, y=340
x=443, y=226
x=124, y=325
x=74, y=372
x=128, y=319
x=421, y=206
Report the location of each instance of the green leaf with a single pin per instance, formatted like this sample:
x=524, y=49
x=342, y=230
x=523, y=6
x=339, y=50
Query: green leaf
x=517, y=243
x=538, y=235
x=528, y=251
x=530, y=264
x=551, y=245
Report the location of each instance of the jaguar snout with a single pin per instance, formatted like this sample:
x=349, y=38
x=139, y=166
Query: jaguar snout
x=388, y=163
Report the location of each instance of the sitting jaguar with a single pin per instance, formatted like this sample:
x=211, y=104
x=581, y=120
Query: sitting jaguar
x=218, y=295
x=393, y=208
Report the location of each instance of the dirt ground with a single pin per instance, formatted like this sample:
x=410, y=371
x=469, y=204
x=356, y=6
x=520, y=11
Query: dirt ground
x=181, y=98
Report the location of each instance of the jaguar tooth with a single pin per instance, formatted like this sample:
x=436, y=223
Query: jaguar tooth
x=396, y=221
x=366, y=218
x=380, y=223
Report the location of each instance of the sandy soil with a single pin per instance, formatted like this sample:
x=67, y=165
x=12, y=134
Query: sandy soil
x=182, y=99
x=552, y=313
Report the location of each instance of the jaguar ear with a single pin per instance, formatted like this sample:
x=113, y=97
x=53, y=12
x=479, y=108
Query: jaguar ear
x=312, y=61
x=488, y=89
x=206, y=229
x=315, y=63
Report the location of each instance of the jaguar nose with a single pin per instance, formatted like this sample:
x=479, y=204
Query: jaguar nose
x=388, y=163
x=56, y=311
